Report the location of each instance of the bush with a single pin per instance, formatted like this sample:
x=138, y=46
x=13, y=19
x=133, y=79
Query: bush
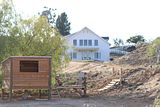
x=153, y=47
x=157, y=102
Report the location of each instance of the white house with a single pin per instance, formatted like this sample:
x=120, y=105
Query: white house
x=86, y=45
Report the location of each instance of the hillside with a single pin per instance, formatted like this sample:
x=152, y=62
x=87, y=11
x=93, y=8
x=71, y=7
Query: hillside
x=137, y=80
x=140, y=75
x=136, y=57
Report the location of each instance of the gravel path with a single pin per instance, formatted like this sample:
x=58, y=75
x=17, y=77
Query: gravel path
x=81, y=102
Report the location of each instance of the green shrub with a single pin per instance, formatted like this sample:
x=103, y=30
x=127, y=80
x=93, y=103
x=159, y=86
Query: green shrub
x=152, y=47
x=157, y=102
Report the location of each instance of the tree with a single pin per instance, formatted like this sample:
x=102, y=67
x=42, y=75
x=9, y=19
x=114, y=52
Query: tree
x=38, y=37
x=118, y=42
x=29, y=37
x=136, y=39
x=7, y=23
x=62, y=24
x=153, y=47
x=49, y=13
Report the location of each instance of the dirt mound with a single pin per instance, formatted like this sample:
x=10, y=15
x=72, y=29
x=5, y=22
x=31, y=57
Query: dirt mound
x=136, y=57
x=137, y=80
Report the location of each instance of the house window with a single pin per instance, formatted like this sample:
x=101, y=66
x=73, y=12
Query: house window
x=74, y=55
x=85, y=42
x=97, y=55
x=89, y=42
x=95, y=42
x=75, y=42
x=28, y=66
x=80, y=42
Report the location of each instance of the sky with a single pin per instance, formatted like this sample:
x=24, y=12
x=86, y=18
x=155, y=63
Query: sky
x=112, y=18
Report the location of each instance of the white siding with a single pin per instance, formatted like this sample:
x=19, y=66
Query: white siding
x=88, y=51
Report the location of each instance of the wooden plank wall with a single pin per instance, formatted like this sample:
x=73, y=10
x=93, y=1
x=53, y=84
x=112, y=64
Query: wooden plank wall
x=31, y=80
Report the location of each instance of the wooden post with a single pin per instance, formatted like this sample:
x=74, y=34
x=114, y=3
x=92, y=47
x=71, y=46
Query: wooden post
x=49, y=80
x=2, y=90
x=40, y=94
x=85, y=85
x=11, y=80
x=121, y=70
x=2, y=96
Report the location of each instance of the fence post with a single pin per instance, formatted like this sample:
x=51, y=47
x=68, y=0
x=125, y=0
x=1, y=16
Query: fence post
x=85, y=84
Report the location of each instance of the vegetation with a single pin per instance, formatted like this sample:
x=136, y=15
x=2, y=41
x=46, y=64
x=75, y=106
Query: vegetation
x=118, y=42
x=49, y=13
x=152, y=49
x=29, y=37
x=63, y=25
x=157, y=102
x=136, y=39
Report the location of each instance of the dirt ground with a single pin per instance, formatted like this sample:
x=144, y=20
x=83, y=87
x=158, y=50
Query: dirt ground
x=83, y=102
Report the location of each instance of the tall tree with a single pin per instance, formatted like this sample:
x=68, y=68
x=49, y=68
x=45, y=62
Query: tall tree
x=33, y=36
x=49, y=13
x=136, y=39
x=38, y=37
x=118, y=42
x=62, y=24
x=7, y=23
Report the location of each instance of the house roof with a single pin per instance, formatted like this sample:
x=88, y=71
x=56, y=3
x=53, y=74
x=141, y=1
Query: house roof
x=72, y=35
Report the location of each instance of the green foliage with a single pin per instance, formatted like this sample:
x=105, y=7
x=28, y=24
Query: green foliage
x=157, y=101
x=118, y=42
x=136, y=39
x=6, y=16
x=30, y=37
x=7, y=23
x=49, y=13
x=63, y=25
x=152, y=48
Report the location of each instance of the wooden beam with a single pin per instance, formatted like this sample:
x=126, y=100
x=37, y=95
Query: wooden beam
x=49, y=80
x=85, y=85
x=11, y=79
x=40, y=93
x=2, y=94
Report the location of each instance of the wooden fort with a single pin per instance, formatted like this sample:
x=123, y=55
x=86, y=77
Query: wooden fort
x=26, y=72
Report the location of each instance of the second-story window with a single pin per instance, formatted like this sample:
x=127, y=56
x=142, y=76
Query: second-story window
x=80, y=42
x=95, y=42
x=75, y=42
x=89, y=42
x=85, y=42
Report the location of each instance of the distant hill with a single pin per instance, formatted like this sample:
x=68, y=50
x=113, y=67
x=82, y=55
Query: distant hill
x=136, y=57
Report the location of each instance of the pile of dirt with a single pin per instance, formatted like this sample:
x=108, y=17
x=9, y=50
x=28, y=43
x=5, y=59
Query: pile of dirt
x=136, y=57
x=137, y=80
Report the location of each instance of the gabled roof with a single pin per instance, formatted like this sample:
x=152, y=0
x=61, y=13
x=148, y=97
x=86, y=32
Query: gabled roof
x=74, y=34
